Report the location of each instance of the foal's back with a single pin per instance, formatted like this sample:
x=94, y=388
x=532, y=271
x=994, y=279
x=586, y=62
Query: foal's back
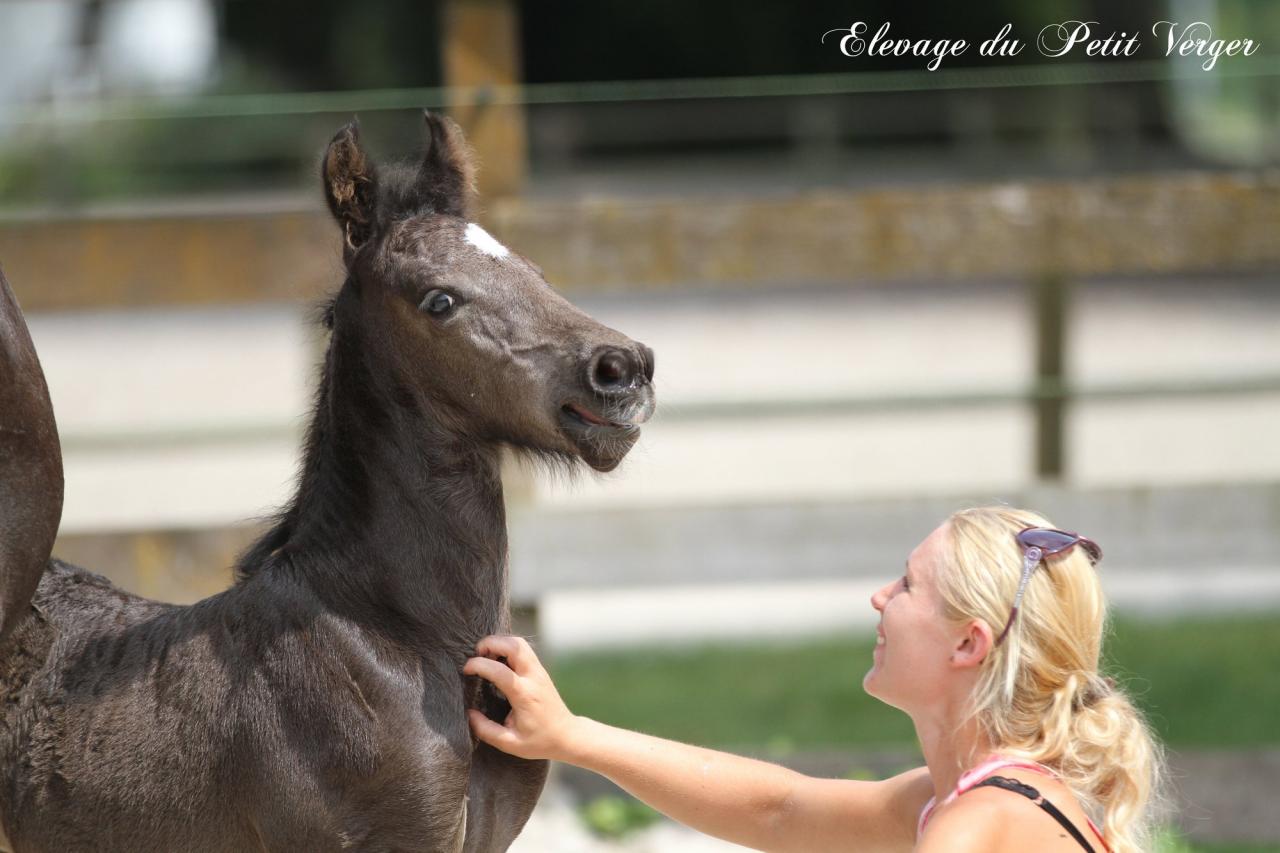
x=254, y=719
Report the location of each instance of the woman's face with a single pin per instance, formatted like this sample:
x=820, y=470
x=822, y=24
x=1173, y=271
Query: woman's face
x=914, y=644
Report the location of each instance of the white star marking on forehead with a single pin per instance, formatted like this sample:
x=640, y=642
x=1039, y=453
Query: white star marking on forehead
x=483, y=240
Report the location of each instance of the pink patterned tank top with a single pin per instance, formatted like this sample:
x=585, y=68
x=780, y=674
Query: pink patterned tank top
x=971, y=778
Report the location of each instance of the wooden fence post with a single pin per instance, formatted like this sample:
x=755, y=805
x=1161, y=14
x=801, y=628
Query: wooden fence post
x=482, y=49
x=1050, y=293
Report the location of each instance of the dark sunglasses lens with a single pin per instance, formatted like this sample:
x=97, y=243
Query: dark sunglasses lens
x=1048, y=541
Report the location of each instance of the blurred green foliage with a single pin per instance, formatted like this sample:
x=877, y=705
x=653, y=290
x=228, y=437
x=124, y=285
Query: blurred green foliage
x=616, y=817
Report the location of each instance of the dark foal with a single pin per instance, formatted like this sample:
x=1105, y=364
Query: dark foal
x=318, y=704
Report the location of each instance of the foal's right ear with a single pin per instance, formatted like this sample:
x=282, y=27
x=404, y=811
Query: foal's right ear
x=350, y=187
x=447, y=175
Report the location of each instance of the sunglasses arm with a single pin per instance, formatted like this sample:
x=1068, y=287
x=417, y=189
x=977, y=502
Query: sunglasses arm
x=1030, y=560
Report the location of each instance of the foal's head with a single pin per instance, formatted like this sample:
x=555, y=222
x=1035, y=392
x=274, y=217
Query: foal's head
x=455, y=320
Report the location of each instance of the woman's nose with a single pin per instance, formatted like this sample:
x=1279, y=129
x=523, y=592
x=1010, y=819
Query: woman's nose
x=879, y=597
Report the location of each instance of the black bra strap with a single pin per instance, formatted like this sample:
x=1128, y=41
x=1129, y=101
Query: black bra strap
x=1032, y=794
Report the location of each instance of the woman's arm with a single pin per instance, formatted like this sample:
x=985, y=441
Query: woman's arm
x=749, y=802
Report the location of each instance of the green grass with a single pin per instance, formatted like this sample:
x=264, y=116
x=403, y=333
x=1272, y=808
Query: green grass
x=780, y=696
x=1171, y=841
x=1204, y=683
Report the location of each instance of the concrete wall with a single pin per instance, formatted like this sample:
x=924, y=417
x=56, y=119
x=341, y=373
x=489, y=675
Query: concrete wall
x=1194, y=531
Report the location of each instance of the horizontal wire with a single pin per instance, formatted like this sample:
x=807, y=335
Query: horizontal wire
x=624, y=91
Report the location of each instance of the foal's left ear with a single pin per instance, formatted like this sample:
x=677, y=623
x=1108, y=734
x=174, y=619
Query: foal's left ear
x=446, y=175
x=350, y=187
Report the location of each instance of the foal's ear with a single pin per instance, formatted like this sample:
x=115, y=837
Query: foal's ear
x=446, y=176
x=350, y=187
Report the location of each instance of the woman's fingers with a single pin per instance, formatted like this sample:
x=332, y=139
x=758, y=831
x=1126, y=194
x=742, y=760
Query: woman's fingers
x=494, y=734
x=493, y=671
x=519, y=654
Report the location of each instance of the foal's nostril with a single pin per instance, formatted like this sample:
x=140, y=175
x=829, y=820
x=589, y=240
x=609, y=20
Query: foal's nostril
x=646, y=355
x=613, y=369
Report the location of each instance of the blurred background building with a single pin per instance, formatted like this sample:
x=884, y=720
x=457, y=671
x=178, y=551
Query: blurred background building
x=877, y=293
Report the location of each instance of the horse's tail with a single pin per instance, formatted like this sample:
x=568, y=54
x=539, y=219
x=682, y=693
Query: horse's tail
x=30, y=466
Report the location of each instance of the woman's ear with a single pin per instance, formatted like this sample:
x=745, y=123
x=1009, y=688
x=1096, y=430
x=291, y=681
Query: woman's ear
x=973, y=644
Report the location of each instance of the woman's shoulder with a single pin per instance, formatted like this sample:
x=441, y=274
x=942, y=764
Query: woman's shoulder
x=990, y=818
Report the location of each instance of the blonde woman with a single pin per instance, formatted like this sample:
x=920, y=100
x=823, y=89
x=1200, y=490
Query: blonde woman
x=990, y=642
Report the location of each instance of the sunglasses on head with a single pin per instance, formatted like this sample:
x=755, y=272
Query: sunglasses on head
x=1037, y=543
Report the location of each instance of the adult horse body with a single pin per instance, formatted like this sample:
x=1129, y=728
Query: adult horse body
x=318, y=704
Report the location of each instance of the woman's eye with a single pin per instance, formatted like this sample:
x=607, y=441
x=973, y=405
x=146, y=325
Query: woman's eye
x=438, y=303
x=906, y=584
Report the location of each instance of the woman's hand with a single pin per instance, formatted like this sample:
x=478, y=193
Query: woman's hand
x=539, y=725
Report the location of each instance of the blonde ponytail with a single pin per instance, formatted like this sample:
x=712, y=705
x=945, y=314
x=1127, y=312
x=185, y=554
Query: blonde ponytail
x=1040, y=695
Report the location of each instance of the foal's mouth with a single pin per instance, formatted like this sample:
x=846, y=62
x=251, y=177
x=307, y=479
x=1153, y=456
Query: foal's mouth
x=601, y=434
x=587, y=418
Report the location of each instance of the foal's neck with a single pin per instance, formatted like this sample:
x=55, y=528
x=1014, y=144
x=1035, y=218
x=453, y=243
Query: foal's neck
x=398, y=520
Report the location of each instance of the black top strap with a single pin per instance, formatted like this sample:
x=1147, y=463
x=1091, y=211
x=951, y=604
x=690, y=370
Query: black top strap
x=1032, y=794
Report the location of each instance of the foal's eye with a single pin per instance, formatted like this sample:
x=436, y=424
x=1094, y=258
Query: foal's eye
x=438, y=303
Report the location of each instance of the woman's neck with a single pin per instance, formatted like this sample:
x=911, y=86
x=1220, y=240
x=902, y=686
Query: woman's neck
x=952, y=743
